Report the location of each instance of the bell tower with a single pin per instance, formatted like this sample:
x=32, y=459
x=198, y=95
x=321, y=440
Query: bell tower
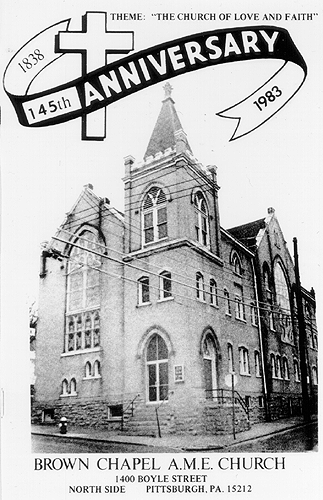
x=170, y=174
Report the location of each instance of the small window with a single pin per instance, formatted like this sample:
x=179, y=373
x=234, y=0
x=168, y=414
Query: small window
x=88, y=370
x=314, y=375
x=73, y=386
x=64, y=387
x=227, y=302
x=96, y=368
x=115, y=412
x=248, y=401
x=244, y=361
x=165, y=285
x=257, y=364
x=143, y=290
x=261, y=402
x=213, y=292
x=200, y=292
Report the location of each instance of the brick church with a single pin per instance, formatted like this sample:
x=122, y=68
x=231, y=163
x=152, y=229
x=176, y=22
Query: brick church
x=149, y=320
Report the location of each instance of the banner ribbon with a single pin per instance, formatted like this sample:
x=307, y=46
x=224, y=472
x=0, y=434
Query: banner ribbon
x=111, y=82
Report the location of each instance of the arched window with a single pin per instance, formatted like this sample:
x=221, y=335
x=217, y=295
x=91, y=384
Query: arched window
x=273, y=366
x=64, y=387
x=73, y=386
x=268, y=296
x=200, y=291
x=88, y=370
x=213, y=292
x=157, y=369
x=279, y=367
x=83, y=293
x=244, y=361
x=154, y=213
x=96, y=368
x=201, y=219
x=296, y=371
x=143, y=290
x=314, y=375
x=227, y=302
x=236, y=263
x=165, y=285
x=285, y=369
x=230, y=358
x=257, y=364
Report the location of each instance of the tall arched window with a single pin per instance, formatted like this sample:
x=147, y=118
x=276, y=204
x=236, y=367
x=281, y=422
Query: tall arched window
x=213, y=292
x=283, y=301
x=154, y=214
x=236, y=263
x=257, y=364
x=201, y=219
x=314, y=375
x=230, y=358
x=165, y=285
x=83, y=294
x=96, y=368
x=157, y=369
x=296, y=371
x=143, y=290
x=88, y=370
x=285, y=369
x=200, y=290
x=227, y=302
x=273, y=366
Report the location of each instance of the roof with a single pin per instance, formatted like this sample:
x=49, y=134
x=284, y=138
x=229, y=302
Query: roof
x=247, y=233
x=163, y=135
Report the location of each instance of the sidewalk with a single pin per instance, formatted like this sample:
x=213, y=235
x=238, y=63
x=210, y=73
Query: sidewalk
x=179, y=442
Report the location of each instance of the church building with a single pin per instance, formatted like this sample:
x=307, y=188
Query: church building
x=150, y=321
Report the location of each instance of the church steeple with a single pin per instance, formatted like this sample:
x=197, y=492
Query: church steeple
x=168, y=131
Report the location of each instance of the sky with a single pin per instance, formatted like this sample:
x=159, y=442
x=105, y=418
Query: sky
x=44, y=170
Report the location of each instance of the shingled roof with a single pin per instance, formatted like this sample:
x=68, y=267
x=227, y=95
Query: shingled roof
x=163, y=136
x=247, y=233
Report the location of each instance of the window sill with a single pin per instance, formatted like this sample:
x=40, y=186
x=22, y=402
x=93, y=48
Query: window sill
x=144, y=304
x=72, y=394
x=240, y=319
x=80, y=351
x=146, y=245
x=95, y=377
x=203, y=301
x=214, y=305
x=245, y=374
x=228, y=315
x=167, y=299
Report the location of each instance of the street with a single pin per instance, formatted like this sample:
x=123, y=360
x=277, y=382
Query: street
x=298, y=439
x=293, y=440
x=53, y=444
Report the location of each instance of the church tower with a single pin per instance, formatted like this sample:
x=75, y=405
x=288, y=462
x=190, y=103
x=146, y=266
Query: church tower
x=170, y=196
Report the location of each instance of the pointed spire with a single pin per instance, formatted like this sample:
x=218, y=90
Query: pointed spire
x=168, y=131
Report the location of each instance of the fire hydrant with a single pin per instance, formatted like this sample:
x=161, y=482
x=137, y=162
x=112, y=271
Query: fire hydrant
x=63, y=425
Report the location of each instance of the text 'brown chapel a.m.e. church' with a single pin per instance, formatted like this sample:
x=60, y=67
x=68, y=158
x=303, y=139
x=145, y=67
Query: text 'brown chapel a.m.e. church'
x=145, y=317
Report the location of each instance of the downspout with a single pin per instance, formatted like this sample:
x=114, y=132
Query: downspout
x=260, y=338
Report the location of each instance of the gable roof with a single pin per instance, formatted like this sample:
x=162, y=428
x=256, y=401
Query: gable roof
x=247, y=233
x=163, y=135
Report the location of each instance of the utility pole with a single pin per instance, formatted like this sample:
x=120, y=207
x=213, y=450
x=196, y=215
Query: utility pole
x=302, y=336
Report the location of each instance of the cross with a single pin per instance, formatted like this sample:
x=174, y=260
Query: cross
x=94, y=42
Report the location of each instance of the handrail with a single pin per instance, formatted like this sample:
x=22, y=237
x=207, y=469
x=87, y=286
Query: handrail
x=124, y=411
x=221, y=397
x=157, y=417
